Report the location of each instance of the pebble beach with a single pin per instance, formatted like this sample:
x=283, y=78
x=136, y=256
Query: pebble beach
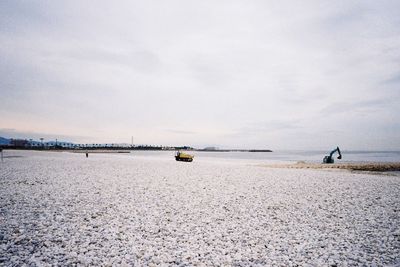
x=60, y=209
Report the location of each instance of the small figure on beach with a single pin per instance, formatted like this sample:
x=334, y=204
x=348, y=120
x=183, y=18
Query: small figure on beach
x=87, y=154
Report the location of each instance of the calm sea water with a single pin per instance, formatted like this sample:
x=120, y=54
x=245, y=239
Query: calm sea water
x=282, y=156
x=247, y=157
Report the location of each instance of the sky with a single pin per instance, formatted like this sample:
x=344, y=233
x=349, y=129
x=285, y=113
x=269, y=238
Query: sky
x=231, y=74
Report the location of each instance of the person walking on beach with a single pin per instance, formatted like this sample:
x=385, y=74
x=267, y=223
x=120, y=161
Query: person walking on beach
x=87, y=154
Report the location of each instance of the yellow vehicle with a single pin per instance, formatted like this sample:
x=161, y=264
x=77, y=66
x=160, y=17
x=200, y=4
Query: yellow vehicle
x=183, y=157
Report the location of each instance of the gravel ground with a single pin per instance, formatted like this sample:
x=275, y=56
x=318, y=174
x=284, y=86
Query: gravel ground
x=355, y=166
x=64, y=209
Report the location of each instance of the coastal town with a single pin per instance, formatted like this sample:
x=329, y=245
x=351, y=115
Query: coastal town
x=30, y=144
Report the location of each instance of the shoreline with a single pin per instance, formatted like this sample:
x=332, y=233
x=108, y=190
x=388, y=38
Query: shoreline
x=352, y=166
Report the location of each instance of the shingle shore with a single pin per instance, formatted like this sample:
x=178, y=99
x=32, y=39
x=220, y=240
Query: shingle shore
x=64, y=209
x=353, y=166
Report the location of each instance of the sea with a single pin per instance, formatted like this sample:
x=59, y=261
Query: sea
x=283, y=156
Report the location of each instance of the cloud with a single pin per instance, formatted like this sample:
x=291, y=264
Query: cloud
x=394, y=80
x=270, y=126
x=14, y=133
x=357, y=107
x=179, y=131
x=223, y=73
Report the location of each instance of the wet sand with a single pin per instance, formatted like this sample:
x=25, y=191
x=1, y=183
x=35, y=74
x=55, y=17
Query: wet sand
x=356, y=166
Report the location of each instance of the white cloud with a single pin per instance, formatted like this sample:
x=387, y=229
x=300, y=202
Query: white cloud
x=231, y=73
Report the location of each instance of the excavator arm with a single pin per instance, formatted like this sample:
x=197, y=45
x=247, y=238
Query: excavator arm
x=338, y=151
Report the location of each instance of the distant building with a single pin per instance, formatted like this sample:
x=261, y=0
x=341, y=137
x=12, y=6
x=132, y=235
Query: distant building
x=19, y=143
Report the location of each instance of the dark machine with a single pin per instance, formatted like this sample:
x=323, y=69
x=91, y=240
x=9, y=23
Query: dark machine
x=329, y=159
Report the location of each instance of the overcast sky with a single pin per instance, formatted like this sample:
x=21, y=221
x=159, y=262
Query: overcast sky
x=240, y=74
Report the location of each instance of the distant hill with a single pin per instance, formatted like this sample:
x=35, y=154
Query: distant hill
x=4, y=141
